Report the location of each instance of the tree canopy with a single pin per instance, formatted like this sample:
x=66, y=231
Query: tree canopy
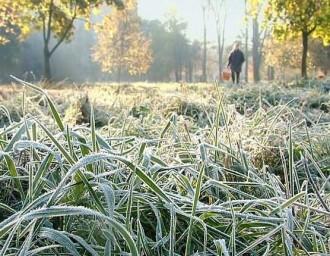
x=305, y=18
x=54, y=18
x=121, y=45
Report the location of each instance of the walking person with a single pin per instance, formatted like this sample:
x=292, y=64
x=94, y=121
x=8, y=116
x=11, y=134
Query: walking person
x=235, y=62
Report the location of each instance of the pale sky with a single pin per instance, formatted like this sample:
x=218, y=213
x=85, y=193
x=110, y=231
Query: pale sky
x=191, y=12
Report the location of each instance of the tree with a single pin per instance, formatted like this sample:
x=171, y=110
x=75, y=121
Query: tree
x=217, y=7
x=283, y=55
x=8, y=14
x=254, y=9
x=121, y=45
x=204, y=76
x=55, y=18
x=178, y=43
x=193, y=56
x=172, y=51
x=161, y=67
x=306, y=18
x=246, y=47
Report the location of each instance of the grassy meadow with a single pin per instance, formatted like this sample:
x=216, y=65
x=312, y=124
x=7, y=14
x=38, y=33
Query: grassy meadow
x=164, y=169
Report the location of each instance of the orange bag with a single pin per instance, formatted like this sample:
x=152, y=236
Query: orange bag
x=226, y=74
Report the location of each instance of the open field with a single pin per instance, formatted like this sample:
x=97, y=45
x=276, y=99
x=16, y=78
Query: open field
x=165, y=169
x=154, y=168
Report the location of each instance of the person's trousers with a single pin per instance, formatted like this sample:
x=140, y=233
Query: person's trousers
x=235, y=76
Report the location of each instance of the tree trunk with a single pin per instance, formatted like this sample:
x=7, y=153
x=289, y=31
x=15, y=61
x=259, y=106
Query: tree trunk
x=270, y=73
x=180, y=70
x=190, y=72
x=304, y=55
x=47, y=34
x=204, y=76
x=176, y=73
x=246, y=57
x=255, y=50
x=246, y=46
x=219, y=56
x=47, y=68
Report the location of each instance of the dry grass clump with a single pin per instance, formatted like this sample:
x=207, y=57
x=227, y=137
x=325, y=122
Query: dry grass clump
x=79, y=111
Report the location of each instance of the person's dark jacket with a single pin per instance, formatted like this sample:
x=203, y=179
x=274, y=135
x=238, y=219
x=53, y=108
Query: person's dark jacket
x=236, y=59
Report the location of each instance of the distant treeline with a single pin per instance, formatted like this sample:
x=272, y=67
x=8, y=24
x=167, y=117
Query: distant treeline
x=47, y=40
x=174, y=57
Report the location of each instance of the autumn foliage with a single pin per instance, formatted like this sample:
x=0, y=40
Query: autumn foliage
x=53, y=18
x=300, y=18
x=121, y=45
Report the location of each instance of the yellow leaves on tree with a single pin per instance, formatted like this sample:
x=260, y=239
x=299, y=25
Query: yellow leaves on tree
x=323, y=31
x=305, y=18
x=8, y=14
x=255, y=7
x=283, y=54
x=291, y=17
x=121, y=46
x=54, y=18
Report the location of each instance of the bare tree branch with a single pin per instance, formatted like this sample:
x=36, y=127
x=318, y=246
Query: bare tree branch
x=67, y=30
x=50, y=17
